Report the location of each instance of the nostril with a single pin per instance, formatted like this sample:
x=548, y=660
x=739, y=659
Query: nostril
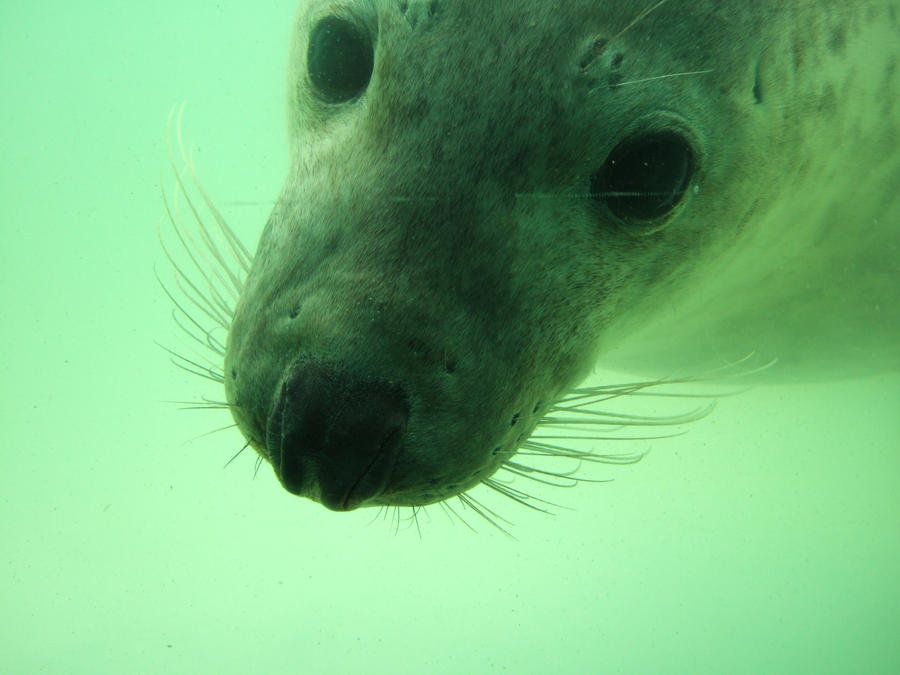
x=335, y=435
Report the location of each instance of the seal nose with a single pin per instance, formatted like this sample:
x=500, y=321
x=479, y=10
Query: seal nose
x=334, y=436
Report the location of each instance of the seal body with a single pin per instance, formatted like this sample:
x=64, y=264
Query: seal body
x=486, y=199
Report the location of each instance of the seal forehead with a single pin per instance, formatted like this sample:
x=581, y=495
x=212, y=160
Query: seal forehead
x=465, y=92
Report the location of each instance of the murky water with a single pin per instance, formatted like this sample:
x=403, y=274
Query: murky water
x=765, y=539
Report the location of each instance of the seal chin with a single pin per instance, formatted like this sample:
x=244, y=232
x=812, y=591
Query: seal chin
x=334, y=436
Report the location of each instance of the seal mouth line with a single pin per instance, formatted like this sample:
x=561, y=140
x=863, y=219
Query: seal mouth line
x=382, y=456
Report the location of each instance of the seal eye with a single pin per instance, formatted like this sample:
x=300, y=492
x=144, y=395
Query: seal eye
x=340, y=59
x=645, y=176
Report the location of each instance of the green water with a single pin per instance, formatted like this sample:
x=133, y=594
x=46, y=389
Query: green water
x=765, y=540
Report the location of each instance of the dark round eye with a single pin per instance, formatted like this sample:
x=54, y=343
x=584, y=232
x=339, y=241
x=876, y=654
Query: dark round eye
x=340, y=59
x=645, y=176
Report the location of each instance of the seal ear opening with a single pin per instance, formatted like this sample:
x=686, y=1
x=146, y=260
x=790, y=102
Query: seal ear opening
x=645, y=177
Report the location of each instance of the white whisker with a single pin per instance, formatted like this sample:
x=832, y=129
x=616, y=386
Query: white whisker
x=660, y=77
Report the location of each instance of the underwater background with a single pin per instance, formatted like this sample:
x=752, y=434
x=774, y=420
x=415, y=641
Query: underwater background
x=766, y=538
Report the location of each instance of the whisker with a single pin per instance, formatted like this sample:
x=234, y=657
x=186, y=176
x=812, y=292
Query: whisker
x=448, y=509
x=219, y=308
x=214, y=431
x=661, y=77
x=208, y=267
x=415, y=512
x=239, y=251
x=562, y=437
x=526, y=471
x=206, y=406
x=211, y=342
x=379, y=513
x=483, y=511
x=194, y=368
x=516, y=495
x=214, y=307
x=605, y=417
x=600, y=393
x=218, y=265
x=648, y=388
x=534, y=449
x=235, y=455
x=203, y=404
x=394, y=523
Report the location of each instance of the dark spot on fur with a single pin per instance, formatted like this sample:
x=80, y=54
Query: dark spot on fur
x=537, y=406
x=828, y=100
x=757, y=85
x=449, y=365
x=515, y=418
x=496, y=451
x=615, y=70
x=837, y=41
x=415, y=110
x=416, y=11
x=888, y=102
x=889, y=72
x=797, y=55
x=593, y=53
x=419, y=348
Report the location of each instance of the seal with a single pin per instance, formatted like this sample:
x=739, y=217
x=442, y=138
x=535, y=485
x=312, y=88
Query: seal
x=487, y=199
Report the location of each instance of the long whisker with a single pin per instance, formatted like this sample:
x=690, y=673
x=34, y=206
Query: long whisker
x=516, y=495
x=577, y=417
x=235, y=455
x=210, y=342
x=217, y=265
x=661, y=77
x=527, y=471
x=449, y=510
x=532, y=449
x=193, y=367
x=213, y=305
x=204, y=405
x=489, y=515
x=240, y=253
x=214, y=431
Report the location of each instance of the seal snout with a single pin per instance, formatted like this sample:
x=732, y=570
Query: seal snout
x=335, y=436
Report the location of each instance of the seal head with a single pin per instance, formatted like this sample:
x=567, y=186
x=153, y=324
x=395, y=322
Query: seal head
x=486, y=197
